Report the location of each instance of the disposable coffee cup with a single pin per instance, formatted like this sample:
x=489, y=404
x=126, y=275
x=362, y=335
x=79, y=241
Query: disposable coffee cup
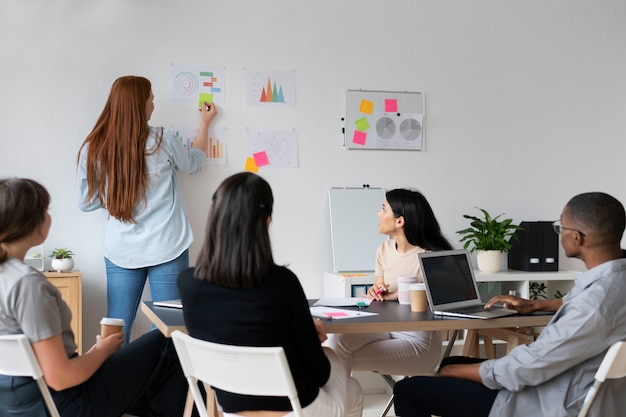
x=403, y=287
x=417, y=297
x=109, y=326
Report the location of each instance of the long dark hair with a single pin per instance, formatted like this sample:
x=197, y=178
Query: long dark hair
x=237, y=252
x=23, y=206
x=421, y=227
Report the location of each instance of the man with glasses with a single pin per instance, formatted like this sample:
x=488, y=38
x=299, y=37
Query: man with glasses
x=551, y=376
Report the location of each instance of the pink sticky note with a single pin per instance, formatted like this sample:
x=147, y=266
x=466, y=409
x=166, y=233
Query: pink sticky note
x=336, y=314
x=261, y=159
x=251, y=165
x=359, y=137
x=391, y=105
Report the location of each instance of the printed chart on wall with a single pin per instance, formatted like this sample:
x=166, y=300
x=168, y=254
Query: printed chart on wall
x=196, y=84
x=272, y=148
x=216, y=154
x=270, y=88
x=384, y=120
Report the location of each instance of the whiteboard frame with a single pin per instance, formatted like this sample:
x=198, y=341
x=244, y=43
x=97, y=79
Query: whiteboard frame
x=353, y=226
x=411, y=103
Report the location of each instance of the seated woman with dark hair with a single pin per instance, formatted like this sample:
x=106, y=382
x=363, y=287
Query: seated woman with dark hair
x=237, y=295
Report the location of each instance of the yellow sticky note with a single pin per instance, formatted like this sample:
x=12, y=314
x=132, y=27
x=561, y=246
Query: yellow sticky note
x=202, y=97
x=251, y=165
x=366, y=106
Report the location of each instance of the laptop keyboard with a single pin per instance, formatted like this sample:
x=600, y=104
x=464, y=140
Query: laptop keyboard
x=473, y=309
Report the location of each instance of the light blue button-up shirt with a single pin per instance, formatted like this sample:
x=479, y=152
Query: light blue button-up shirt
x=162, y=231
x=551, y=376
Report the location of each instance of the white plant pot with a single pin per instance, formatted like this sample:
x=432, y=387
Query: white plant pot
x=62, y=265
x=489, y=260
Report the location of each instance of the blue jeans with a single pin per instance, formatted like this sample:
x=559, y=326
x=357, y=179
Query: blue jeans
x=124, y=287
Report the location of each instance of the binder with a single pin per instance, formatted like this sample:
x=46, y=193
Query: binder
x=537, y=249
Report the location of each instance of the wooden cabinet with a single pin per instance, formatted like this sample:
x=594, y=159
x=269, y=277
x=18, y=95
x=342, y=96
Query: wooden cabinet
x=70, y=284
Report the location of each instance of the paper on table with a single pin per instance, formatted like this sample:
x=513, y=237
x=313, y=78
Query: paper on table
x=338, y=313
x=342, y=301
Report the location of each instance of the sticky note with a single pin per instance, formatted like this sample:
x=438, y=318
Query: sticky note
x=336, y=314
x=366, y=106
x=260, y=158
x=202, y=97
x=362, y=124
x=251, y=165
x=359, y=137
x=391, y=105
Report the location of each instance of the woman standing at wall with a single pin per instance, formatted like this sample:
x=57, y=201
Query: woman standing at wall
x=407, y=218
x=128, y=168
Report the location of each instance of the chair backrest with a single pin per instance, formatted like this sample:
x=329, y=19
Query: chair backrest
x=613, y=366
x=18, y=359
x=262, y=371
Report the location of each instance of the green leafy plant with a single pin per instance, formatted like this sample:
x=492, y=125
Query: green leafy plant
x=61, y=253
x=488, y=233
x=537, y=290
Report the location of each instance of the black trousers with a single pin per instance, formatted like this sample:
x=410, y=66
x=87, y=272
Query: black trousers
x=144, y=378
x=423, y=396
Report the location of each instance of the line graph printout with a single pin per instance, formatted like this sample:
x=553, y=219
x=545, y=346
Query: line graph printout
x=273, y=148
x=188, y=82
x=270, y=88
x=216, y=154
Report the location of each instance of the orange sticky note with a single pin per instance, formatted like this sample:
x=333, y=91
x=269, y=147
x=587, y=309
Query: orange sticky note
x=366, y=106
x=251, y=165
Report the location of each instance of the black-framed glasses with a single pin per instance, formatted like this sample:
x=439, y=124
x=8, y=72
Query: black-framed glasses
x=558, y=228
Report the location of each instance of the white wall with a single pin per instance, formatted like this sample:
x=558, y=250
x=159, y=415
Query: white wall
x=524, y=104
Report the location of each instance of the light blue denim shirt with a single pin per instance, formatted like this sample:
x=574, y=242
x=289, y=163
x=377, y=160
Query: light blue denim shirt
x=551, y=376
x=162, y=231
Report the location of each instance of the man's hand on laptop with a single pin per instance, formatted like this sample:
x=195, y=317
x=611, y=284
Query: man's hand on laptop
x=524, y=306
x=512, y=302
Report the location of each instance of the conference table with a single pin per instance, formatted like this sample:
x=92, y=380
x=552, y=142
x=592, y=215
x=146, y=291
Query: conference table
x=389, y=317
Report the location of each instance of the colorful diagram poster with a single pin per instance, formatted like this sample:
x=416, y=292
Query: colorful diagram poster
x=189, y=82
x=270, y=88
x=216, y=154
x=272, y=148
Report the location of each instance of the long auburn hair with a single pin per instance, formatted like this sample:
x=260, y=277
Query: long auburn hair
x=421, y=227
x=116, y=149
x=236, y=252
x=23, y=206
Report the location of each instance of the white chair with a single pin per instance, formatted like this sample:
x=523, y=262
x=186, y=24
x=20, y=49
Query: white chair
x=18, y=359
x=262, y=371
x=613, y=366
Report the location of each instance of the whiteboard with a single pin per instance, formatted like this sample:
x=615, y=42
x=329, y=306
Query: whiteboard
x=354, y=227
x=384, y=120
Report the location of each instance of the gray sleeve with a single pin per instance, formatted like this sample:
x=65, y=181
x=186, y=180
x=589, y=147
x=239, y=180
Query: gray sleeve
x=562, y=344
x=35, y=304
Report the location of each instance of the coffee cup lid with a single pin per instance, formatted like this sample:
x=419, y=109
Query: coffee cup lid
x=111, y=321
x=419, y=286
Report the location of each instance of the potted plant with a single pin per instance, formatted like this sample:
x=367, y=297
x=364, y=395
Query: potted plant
x=62, y=259
x=489, y=237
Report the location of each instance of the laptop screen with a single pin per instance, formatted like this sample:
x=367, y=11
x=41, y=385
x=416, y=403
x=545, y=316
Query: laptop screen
x=449, y=275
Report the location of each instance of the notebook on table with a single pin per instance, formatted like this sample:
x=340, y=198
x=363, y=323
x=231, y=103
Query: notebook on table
x=451, y=287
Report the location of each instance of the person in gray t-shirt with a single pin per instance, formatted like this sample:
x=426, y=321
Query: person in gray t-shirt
x=141, y=378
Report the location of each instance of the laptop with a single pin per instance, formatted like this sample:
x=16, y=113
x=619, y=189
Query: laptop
x=451, y=287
